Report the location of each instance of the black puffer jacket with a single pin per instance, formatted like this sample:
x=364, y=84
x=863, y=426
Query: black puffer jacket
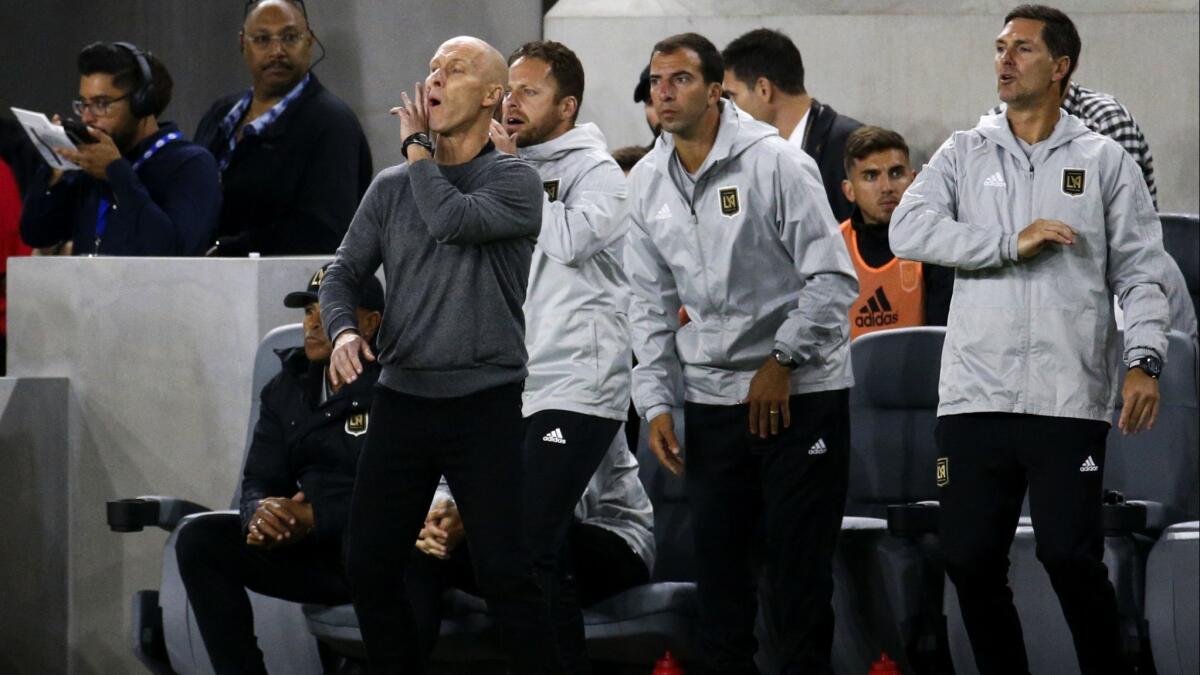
x=302, y=444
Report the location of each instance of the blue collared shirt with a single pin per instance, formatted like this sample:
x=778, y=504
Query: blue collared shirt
x=260, y=124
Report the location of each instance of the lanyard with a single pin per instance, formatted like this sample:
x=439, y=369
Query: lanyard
x=102, y=211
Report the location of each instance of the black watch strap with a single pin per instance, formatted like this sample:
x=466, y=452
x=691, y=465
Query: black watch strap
x=1151, y=365
x=420, y=138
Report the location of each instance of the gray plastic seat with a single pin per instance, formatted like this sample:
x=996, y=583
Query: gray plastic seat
x=1156, y=472
x=1181, y=238
x=1173, y=600
x=164, y=631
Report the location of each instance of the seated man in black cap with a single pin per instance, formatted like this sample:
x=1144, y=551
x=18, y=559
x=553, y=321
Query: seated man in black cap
x=295, y=493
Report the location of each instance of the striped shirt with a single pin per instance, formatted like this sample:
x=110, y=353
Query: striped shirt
x=260, y=123
x=1105, y=115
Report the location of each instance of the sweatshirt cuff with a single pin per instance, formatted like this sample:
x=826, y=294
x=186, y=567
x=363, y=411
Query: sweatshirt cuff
x=656, y=410
x=119, y=172
x=1008, y=247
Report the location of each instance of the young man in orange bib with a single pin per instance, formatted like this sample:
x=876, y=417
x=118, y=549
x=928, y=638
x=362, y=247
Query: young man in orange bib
x=893, y=293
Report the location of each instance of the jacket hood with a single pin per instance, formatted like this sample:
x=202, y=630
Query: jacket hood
x=736, y=132
x=581, y=137
x=995, y=128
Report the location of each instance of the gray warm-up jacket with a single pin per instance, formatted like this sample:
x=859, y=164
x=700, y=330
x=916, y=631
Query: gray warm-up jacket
x=1037, y=336
x=755, y=257
x=614, y=499
x=576, y=308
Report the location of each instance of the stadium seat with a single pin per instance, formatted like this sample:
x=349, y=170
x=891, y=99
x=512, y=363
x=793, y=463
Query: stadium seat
x=1181, y=238
x=1151, y=483
x=888, y=587
x=165, y=636
x=1173, y=600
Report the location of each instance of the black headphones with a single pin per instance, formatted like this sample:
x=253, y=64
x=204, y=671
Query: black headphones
x=140, y=102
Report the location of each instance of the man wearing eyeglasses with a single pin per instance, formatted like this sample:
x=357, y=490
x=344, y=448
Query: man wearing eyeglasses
x=143, y=190
x=294, y=161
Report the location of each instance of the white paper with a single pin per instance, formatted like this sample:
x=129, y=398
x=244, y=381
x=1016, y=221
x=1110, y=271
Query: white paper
x=46, y=136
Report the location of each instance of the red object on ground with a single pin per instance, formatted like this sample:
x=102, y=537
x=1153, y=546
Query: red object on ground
x=667, y=665
x=10, y=235
x=884, y=666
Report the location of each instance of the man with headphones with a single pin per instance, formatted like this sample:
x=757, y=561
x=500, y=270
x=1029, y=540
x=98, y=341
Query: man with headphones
x=143, y=189
x=294, y=160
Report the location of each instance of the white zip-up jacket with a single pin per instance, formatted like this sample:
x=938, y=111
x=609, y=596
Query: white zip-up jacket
x=755, y=257
x=1037, y=336
x=614, y=499
x=576, y=307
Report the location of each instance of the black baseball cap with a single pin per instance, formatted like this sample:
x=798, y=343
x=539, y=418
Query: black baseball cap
x=642, y=93
x=370, y=292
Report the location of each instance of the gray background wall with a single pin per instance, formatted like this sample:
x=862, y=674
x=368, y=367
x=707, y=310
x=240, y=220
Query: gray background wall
x=921, y=67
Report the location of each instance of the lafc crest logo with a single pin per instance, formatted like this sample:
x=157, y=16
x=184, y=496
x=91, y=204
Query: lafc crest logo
x=731, y=202
x=551, y=188
x=1073, y=182
x=943, y=471
x=356, y=424
x=317, y=278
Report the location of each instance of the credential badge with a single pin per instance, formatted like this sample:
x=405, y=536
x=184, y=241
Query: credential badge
x=1073, y=182
x=731, y=203
x=356, y=424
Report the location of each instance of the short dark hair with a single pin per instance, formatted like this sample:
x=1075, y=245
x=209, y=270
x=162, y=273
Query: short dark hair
x=712, y=66
x=629, y=156
x=766, y=53
x=564, y=66
x=867, y=140
x=1058, y=32
x=115, y=60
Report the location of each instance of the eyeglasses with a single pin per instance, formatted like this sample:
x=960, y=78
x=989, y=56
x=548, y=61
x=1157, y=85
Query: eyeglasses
x=97, y=106
x=289, y=40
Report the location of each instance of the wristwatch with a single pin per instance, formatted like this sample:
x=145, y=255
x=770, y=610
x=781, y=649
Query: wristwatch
x=783, y=359
x=1151, y=365
x=420, y=138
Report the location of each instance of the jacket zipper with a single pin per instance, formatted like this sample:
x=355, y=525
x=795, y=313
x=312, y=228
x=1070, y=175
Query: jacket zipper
x=1023, y=401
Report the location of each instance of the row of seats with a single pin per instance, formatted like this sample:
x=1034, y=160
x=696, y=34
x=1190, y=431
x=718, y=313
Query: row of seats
x=890, y=590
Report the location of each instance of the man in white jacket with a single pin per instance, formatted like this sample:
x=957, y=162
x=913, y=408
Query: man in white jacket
x=731, y=223
x=1044, y=221
x=576, y=327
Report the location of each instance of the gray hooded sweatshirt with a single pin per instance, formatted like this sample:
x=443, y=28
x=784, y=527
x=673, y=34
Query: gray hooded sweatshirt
x=756, y=258
x=1037, y=336
x=576, y=308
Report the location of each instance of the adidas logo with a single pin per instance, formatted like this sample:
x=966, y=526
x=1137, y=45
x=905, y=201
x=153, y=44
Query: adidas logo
x=1088, y=465
x=877, y=311
x=663, y=213
x=995, y=180
x=818, y=448
x=555, y=436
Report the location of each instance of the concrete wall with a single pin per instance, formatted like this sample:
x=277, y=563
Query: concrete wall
x=923, y=68
x=35, y=504
x=375, y=48
x=159, y=354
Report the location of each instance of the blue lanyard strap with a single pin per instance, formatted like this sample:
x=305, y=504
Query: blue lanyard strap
x=103, y=208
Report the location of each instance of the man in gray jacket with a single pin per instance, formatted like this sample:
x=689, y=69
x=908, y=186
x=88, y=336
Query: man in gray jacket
x=731, y=223
x=454, y=230
x=1044, y=221
x=576, y=326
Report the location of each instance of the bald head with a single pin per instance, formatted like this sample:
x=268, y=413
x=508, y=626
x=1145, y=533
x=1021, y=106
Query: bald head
x=289, y=10
x=465, y=85
x=487, y=61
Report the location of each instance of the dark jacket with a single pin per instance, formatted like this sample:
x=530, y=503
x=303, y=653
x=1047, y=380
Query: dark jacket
x=167, y=207
x=826, y=143
x=302, y=444
x=293, y=189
